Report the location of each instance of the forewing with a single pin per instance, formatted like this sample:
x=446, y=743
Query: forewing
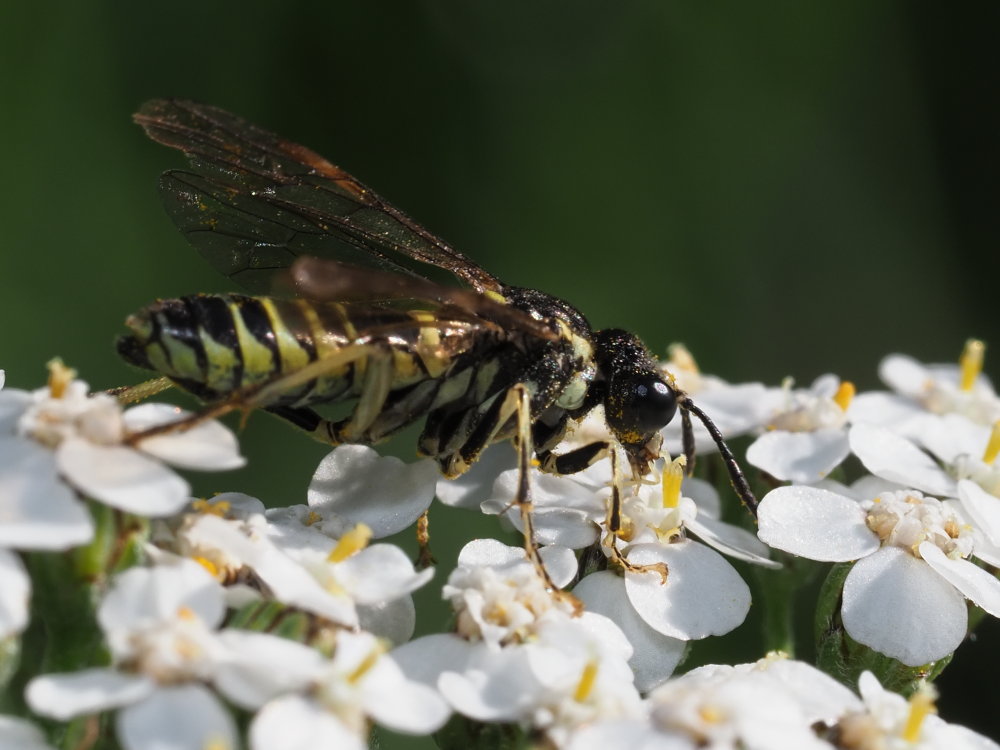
x=254, y=202
x=328, y=281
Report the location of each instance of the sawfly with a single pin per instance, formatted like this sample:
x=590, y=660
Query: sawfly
x=479, y=361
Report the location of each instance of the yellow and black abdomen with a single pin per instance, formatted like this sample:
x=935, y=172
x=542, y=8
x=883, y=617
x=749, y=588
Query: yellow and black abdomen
x=218, y=345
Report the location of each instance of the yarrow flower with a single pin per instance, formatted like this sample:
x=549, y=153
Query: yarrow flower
x=921, y=393
x=905, y=595
x=292, y=555
x=806, y=434
x=159, y=624
x=332, y=702
x=779, y=704
x=520, y=654
x=736, y=409
x=58, y=442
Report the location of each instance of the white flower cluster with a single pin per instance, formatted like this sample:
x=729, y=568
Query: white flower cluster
x=294, y=617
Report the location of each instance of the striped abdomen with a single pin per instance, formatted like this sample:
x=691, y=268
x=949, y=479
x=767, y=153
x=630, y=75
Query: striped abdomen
x=215, y=345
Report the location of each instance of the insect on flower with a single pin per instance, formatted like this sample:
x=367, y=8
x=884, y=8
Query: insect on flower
x=482, y=363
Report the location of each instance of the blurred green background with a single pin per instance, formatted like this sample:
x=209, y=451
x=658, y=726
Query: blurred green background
x=788, y=188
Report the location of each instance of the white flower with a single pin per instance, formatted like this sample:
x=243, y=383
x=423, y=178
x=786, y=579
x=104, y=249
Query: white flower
x=159, y=624
x=343, y=580
x=904, y=597
x=890, y=721
x=770, y=705
x=807, y=430
x=16, y=733
x=382, y=492
x=334, y=700
x=58, y=441
x=736, y=409
x=921, y=390
x=968, y=452
x=521, y=654
x=14, y=594
x=702, y=595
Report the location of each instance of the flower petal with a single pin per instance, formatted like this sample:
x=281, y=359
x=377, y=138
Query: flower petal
x=208, y=446
x=297, y=723
x=474, y=486
x=393, y=620
x=983, y=507
x=814, y=523
x=799, y=456
x=17, y=733
x=978, y=585
x=654, y=655
x=731, y=540
x=413, y=708
x=122, y=478
x=63, y=696
x=499, y=686
x=14, y=594
x=560, y=562
x=703, y=595
x=263, y=666
x=895, y=458
x=899, y=606
x=177, y=718
x=380, y=573
x=380, y=491
x=37, y=510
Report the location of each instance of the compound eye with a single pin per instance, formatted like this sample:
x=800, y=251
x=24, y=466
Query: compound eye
x=642, y=404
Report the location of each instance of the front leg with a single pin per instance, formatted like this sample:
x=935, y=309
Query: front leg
x=575, y=460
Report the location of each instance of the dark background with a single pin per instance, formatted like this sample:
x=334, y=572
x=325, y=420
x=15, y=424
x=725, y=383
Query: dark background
x=787, y=188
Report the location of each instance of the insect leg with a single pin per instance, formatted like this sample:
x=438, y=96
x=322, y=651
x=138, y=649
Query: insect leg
x=616, y=528
x=374, y=391
x=260, y=396
x=131, y=394
x=575, y=460
x=518, y=400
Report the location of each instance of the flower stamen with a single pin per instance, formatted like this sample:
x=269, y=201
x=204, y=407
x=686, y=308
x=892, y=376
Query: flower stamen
x=60, y=376
x=971, y=363
x=367, y=663
x=587, y=680
x=673, y=475
x=921, y=706
x=844, y=395
x=350, y=543
x=993, y=445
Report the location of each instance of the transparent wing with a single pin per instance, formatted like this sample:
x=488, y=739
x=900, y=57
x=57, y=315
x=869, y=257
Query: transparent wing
x=253, y=202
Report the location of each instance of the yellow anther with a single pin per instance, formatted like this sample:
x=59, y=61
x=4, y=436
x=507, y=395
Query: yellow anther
x=312, y=518
x=921, y=706
x=971, y=363
x=844, y=394
x=350, y=543
x=679, y=358
x=186, y=613
x=993, y=446
x=711, y=714
x=368, y=662
x=60, y=376
x=208, y=565
x=212, y=507
x=216, y=743
x=587, y=680
x=673, y=475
